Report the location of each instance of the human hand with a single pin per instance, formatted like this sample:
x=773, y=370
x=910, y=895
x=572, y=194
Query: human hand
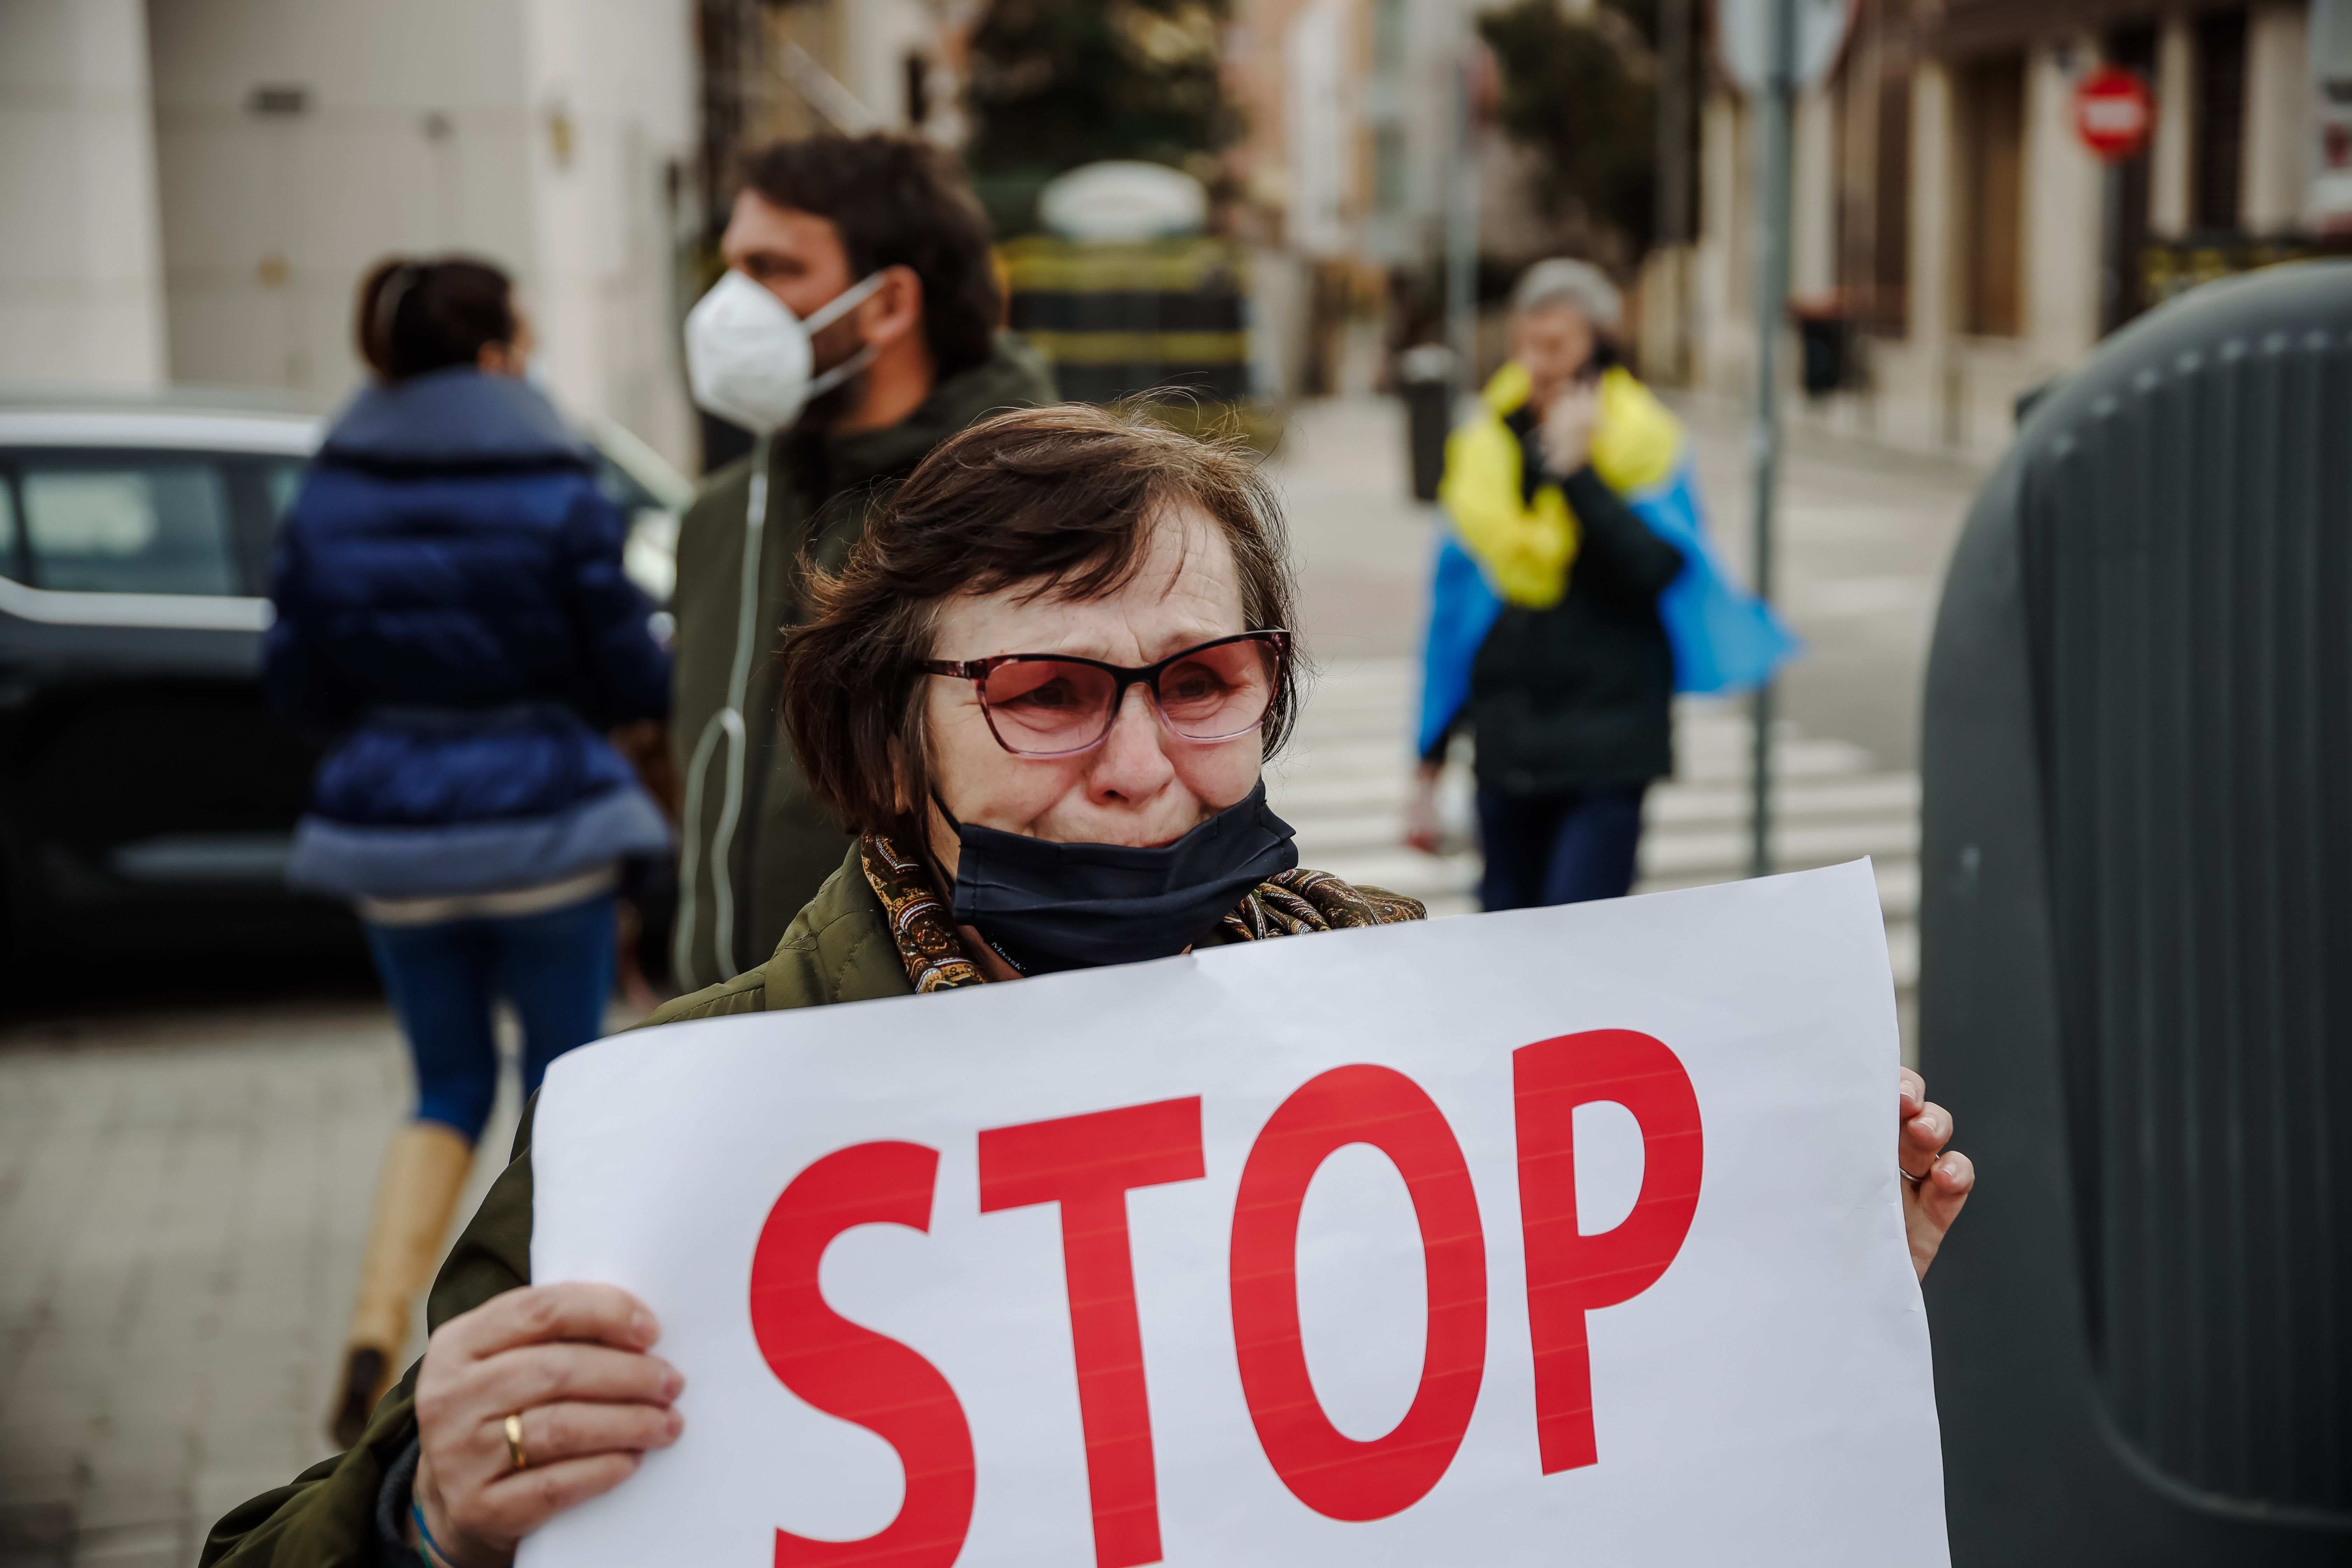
x=1568, y=426
x=1421, y=828
x=1934, y=1183
x=573, y=1363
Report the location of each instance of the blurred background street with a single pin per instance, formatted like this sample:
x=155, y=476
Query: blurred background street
x=1309, y=215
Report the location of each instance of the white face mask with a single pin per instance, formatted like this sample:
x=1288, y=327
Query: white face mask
x=748, y=357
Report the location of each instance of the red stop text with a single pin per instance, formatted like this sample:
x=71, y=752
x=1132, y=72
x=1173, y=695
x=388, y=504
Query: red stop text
x=1087, y=1164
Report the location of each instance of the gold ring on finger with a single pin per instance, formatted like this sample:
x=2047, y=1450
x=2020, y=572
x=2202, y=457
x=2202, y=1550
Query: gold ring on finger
x=514, y=1442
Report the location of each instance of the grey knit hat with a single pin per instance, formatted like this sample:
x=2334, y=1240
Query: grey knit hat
x=1563, y=281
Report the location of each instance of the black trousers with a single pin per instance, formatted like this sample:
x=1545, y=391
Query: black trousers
x=1559, y=849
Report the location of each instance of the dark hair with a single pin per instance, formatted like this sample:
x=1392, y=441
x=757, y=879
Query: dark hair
x=1061, y=497
x=419, y=315
x=898, y=201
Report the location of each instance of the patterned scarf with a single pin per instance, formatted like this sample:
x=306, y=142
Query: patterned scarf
x=1283, y=905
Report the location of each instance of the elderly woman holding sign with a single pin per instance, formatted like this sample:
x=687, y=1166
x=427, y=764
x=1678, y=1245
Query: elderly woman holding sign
x=1041, y=692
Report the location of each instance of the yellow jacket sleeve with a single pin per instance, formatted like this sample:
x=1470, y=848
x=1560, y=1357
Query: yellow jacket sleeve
x=1525, y=547
x=1636, y=443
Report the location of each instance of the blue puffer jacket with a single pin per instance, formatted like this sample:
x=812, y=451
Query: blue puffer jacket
x=450, y=593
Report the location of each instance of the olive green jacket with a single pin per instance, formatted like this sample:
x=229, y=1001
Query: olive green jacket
x=838, y=949
x=764, y=857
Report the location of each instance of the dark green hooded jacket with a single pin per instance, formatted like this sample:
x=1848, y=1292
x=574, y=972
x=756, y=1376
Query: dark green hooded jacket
x=755, y=845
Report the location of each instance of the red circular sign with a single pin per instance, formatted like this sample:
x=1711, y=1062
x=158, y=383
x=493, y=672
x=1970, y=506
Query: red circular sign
x=2114, y=113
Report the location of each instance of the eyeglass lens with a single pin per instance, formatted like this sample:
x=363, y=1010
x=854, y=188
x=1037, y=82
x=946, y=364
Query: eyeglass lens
x=1041, y=706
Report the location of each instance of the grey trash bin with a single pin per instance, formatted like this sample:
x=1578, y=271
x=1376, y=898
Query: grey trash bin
x=2135, y=981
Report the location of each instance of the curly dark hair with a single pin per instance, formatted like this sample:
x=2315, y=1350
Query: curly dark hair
x=898, y=201
x=1061, y=499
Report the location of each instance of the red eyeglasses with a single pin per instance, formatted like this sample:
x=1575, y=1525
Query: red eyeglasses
x=1054, y=705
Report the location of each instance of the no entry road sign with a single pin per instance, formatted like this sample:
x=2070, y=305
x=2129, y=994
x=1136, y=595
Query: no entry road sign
x=2114, y=113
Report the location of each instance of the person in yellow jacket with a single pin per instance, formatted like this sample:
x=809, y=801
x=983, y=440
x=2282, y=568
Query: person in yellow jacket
x=1575, y=595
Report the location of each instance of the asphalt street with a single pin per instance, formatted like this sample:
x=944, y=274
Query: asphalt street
x=187, y=1154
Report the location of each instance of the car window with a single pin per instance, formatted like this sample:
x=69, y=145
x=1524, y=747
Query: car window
x=7, y=527
x=127, y=527
x=283, y=479
x=622, y=488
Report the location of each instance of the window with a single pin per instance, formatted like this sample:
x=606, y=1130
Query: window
x=1388, y=36
x=128, y=527
x=1387, y=168
x=916, y=68
x=621, y=487
x=1870, y=98
x=1993, y=142
x=1890, y=240
x=8, y=567
x=2218, y=126
x=283, y=479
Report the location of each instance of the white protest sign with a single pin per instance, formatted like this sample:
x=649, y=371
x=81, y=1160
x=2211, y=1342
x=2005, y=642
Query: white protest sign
x=1563, y=1236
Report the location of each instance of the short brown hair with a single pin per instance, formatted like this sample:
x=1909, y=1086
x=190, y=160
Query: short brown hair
x=1062, y=497
x=898, y=201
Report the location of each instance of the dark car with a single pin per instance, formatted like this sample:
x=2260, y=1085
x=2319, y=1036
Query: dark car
x=146, y=794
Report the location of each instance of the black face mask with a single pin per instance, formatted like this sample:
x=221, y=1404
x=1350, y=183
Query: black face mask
x=1046, y=907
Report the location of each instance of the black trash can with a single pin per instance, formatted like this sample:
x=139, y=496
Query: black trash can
x=1823, y=336
x=2136, y=922
x=1427, y=377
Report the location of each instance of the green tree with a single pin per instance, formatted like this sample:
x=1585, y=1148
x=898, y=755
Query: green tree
x=1057, y=83
x=1580, y=92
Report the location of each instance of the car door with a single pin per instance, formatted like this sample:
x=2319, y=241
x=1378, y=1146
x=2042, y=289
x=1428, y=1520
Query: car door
x=141, y=773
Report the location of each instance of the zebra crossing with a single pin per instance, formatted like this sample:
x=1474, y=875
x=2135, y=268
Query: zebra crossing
x=1344, y=779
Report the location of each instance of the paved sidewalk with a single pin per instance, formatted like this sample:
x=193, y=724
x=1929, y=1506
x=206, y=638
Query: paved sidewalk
x=183, y=1187
x=182, y=1202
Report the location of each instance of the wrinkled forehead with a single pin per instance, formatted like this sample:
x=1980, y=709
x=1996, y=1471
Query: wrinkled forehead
x=1185, y=551
x=1183, y=576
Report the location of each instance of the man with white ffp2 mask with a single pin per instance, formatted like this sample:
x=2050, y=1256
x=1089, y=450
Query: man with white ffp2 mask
x=854, y=329
x=751, y=359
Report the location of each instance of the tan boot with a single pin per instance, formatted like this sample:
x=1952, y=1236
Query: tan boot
x=423, y=1171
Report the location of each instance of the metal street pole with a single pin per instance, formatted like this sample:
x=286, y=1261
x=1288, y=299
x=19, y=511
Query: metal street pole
x=1462, y=218
x=1777, y=103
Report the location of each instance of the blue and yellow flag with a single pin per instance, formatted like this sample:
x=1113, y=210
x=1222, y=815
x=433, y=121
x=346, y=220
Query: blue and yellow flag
x=1502, y=549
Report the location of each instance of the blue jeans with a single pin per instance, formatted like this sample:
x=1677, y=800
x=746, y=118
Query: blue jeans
x=1559, y=849
x=556, y=967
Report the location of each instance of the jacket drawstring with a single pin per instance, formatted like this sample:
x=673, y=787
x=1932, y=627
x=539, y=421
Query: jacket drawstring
x=726, y=721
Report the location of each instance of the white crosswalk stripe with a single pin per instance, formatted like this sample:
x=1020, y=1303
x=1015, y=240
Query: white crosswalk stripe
x=1343, y=780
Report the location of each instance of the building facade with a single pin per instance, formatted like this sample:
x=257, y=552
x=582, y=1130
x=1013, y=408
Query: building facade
x=1950, y=219
x=771, y=70
x=1348, y=172
x=196, y=185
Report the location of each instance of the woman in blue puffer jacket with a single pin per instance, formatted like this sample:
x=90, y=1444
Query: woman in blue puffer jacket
x=449, y=596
